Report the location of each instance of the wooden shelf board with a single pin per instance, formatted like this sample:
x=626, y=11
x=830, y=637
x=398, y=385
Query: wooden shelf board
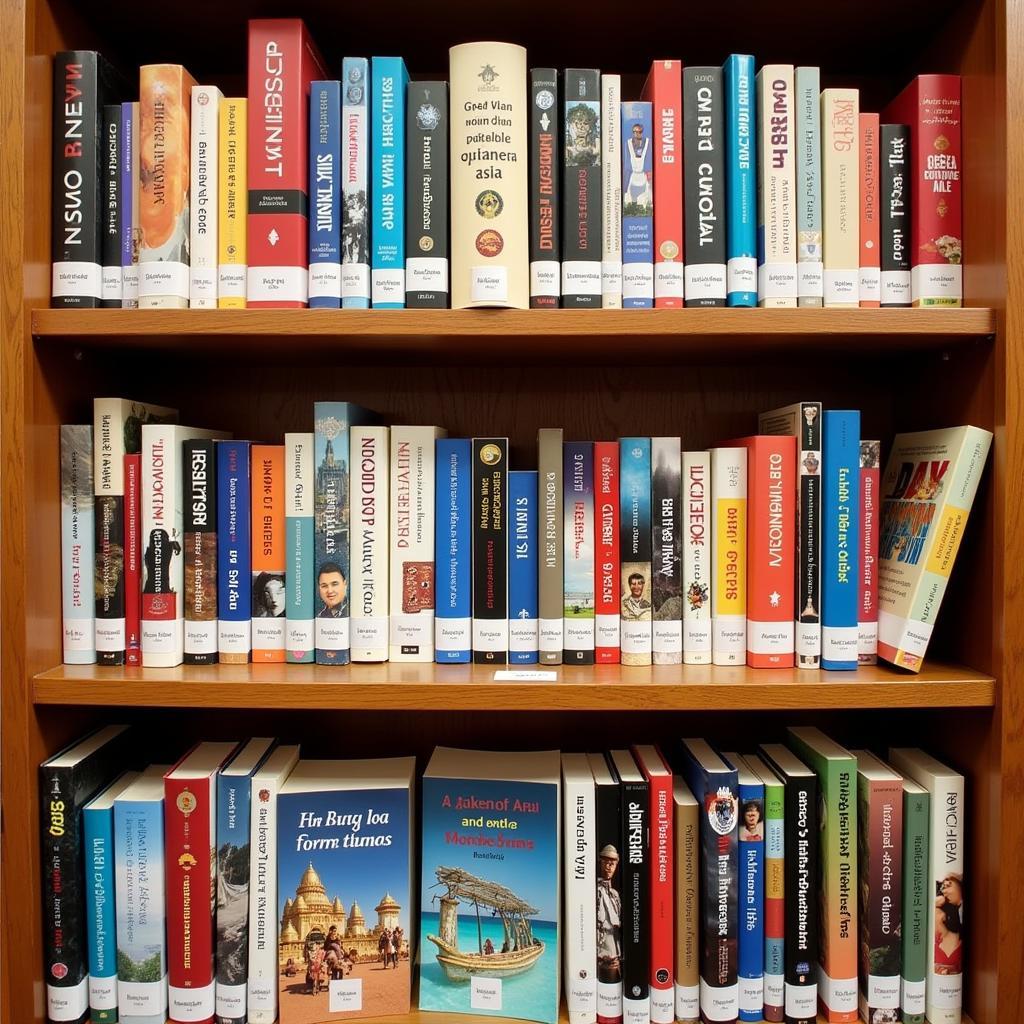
x=395, y=686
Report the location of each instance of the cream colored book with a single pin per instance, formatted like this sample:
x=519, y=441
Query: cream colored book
x=232, y=205
x=204, y=182
x=840, y=195
x=368, y=541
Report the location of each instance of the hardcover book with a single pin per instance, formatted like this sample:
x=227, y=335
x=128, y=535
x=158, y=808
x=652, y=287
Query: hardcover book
x=300, y=549
x=523, y=635
x=549, y=573
x=637, y=206
x=840, y=195
x=234, y=552
x=545, y=191
x=914, y=919
x=606, y=552
x=77, y=543
x=204, y=181
x=112, y=210
x=578, y=503
x=355, y=149
x=666, y=551
x=740, y=180
x=579, y=812
x=870, y=215
x=200, y=555
x=867, y=613
x=810, y=269
x=636, y=636
x=269, y=592
x=611, y=192
x=130, y=234
x=491, y=842
x=325, y=195
x=490, y=550
x=686, y=864
x=608, y=803
x=729, y=555
x=697, y=566
x=389, y=80
x=894, y=214
x=232, y=267
x=133, y=559
x=453, y=518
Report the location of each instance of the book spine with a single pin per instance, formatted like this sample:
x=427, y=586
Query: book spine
x=582, y=230
x=112, y=212
x=232, y=218
x=704, y=187
x=840, y=193
x=636, y=898
x=580, y=881
x=686, y=830
x=666, y=551
x=609, y=905
x=611, y=192
x=867, y=615
x=200, y=554
x=662, y=906
x=774, y=902
x=453, y=618
x=809, y=497
x=389, y=81
x=840, y=539
x=636, y=627
x=870, y=215
x=263, y=965
x=523, y=629
x=894, y=212
x=545, y=191
x=637, y=206
x=130, y=236
x=204, y=251
x=550, y=582
x=98, y=836
x=165, y=108
x=325, y=195
x=234, y=798
x=751, y=911
x=268, y=560
x=355, y=149
x=740, y=180
x=578, y=529
x=914, y=920
x=810, y=269
x=801, y=873
x=108, y=485
x=77, y=545
x=697, y=566
x=729, y=555
x=133, y=559
x=300, y=549
x=234, y=580
x=76, y=238
x=606, y=553
x=490, y=550
x=369, y=549
x=945, y=900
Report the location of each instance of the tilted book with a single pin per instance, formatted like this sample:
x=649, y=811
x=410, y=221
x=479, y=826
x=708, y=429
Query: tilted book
x=325, y=195
x=200, y=554
x=77, y=545
x=894, y=214
x=666, y=551
x=807, y=116
x=611, y=192
x=232, y=250
x=635, y=623
x=269, y=592
x=389, y=80
x=698, y=571
x=112, y=284
x=579, y=812
x=637, y=206
x=130, y=235
x=490, y=550
x=870, y=509
x=608, y=803
x=870, y=215
x=355, y=158
x=606, y=552
x=300, y=549
x=234, y=552
x=545, y=191
x=204, y=182
x=453, y=614
x=549, y=573
x=523, y=630
x=729, y=555
x=578, y=503
x=840, y=195
x=916, y=901
x=686, y=879
x=740, y=179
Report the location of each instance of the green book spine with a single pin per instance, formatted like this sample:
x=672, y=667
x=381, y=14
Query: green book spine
x=915, y=905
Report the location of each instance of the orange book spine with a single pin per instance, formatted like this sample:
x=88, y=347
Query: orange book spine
x=268, y=553
x=870, y=215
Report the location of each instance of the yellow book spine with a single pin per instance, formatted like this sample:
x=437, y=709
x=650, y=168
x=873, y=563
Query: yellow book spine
x=729, y=555
x=231, y=212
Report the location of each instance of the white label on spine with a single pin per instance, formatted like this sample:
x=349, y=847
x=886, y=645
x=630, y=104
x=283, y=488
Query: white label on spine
x=490, y=634
x=161, y=278
x=903, y=634
x=611, y=277
x=426, y=274
x=268, y=634
x=777, y=281
x=488, y=284
x=662, y=1006
x=729, y=639
x=937, y=281
x=130, y=286
x=186, y=1004
x=544, y=275
x=160, y=636
x=912, y=996
x=68, y=1003
x=705, y=281
x=774, y=989
x=231, y=1000
x=142, y=998
x=332, y=634
x=345, y=995
x=839, y=643
x=112, y=283
x=896, y=291
x=841, y=287
x=79, y=279
x=299, y=634
x=609, y=999
x=79, y=635
x=355, y=281
x=578, y=634
x=200, y=637
x=870, y=284
x=838, y=994
x=551, y=635
x=581, y=277
x=276, y=284
x=369, y=632
x=636, y=1011
x=741, y=274
x=883, y=991
x=770, y=637
x=638, y=281
x=233, y=637
x=667, y=637
x=485, y=993
x=453, y=634
x=110, y=635
x=945, y=991
x=325, y=280
x=231, y=279
x=636, y=637
x=261, y=996
x=808, y=639
x=867, y=638
x=103, y=993
x=719, y=1002
x=413, y=630
x=606, y=631
x=687, y=1002
x=751, y=994
x=522, y=634
x=202, y=288
x=801, y=1000
x=810, y=279
x=669, y=280
x=697, y=641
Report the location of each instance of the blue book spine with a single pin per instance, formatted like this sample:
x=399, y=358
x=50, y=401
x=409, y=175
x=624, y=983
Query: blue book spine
x=453, y=539
x=98, y=832
x=234, y=553
x=740, y=180
x=637, y=207
x=355, y=153
x=840, y=537
x=751, y=903
x=523, y=610
x=325, y=195
x=389, y=80
x=300, y=552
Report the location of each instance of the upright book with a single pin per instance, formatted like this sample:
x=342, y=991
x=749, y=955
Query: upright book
x=807, y=115
x=389, y=80
x=300, y=548
x=840, y=195
x=611, y=192
x=453, y=614
x=666, y=551
x=740, y=142
x=894, y=214
x=355, y=156
x=729, y=555
x=916, y=901
x=200, y=551
x=112, y=207
x=578, y=503
x=579, y=883
x=686, y=818
x=550, y=583
x=325, y=195
x=234, y=552
x=269, y=592
x=77, y=544
x=130, y=235
x=637, y=185
x=870, y=215
x=133, y=559
x=490, y=550
x=523, y=630
x=636, y=636
x=232, y=267
x=698, y=571
x=606, y=552
x=545, y=191
x=204, y=184
x=608, y=814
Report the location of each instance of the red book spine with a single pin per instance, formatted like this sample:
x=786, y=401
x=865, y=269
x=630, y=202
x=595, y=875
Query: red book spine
x=664, y=91
x=870, y=214
x=867, y=615
x=606, y=552
x=133, y=559
x=282, y=63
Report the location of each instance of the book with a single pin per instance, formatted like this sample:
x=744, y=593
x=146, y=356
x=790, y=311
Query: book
x=894, y=214
x=269, y=560
x=582, y=223
x=663, y=89
x=836, y=769
x=608, y=816
x=232, y=215
x=411, y=560
x=867, y=614
x=545, y=191
x=389, y=80
x=803, y=421
x=704, y=190
x=490, y=550
x=67, y=782
x=165, y=110
x=740, y=179
x=840, y=538
x=870, y=215
x=112, y=211
x=579, y=812
x=264, y=968
x=130, y=234
x=606, y=553
x=133, y=559
x=368, y=511
x=840, y=195
x=355, y=223
x=777, y=246
x=686, y=864
x=426, y=183
x=637, y=187
x=325, y=195
x=300, y=549
x=697, y=567
x=928, y=488
x=453, y=519
x=489, y=177
x=713, y=784
x=729, y=555
x=666, y=551
x=549, y=571
x=200, y=551
x=578, y=533
x=234, y=552
x=611, y=192
x=914, y=912
x=807, y=110
x=636, y=637
x=879, y=889
x=930, y=106
x=77, y=544
x=283, y=62
x=523, y=630
x=471, y=799
x=204, y=196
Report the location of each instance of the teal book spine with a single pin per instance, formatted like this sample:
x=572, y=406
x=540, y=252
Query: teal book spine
x=740, y=181
x=389, y=81
x=98, y=835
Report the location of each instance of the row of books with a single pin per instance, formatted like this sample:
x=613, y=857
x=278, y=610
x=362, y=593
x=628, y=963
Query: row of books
x=700, y=886
x=364, y=542
x=718, y=187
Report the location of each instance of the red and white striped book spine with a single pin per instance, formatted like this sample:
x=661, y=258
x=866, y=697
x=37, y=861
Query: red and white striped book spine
x=870, y=509
x=606, y=552
x=133, y=559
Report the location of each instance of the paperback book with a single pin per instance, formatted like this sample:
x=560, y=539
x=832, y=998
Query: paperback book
x=453, y=616
x=636, y=626
x=389, y=80
x=204, y=181
x=77, y=543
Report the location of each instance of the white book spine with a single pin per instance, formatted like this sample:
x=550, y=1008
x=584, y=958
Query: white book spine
x=728, y=555
x=368, y=516
x=204, y=183
x=611, y=192
x=355, y=238
x=580, y=815
x=697, y=565
x=77, y=545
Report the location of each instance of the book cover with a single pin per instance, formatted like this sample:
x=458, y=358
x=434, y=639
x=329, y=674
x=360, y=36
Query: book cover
x=355, y=149
x=606, y=553
x=582, y=227
x=300, y=549
x=232, y=207
x=666, y=551
x=663, y=89
x=550, y=582
x=810, y=269
x=636, y=636
x=611, y=192
x=867, y=613
x=426, y=184
x=200, y=555
x=269, y=590
x=234, y=552
x=579, y=812
x=740, y=180
x=111, y=207
x=490, y=550
x=608, y=804
x=453, y=519
x=704, y=189
x=523, y=629
x=578, y=533
x=928, y=488
x=545, y=191
x=870, y=215
x=133, y=559
x=130, y=234
x=489, y=921
x=697, y=569
x=894, y=214
x=729, y=555
x=840, y=195
x=325, y=195
x=637, y=206
x=389, y=80
x=914, y=917
x=77, y=544
x=204, y=182
x=686, y=864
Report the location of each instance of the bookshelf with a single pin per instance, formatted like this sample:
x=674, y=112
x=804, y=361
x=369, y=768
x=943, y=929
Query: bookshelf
x=700, y=373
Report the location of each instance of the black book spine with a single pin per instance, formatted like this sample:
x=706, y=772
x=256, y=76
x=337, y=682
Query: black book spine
x=426, y=183
x=110, y=602
x=545, y=240
x=801, y=888
x=610, y=868
x=636, y=902
x=490, y=550
x=704, y=187
x=581, y=200
x=199, y=480
x=111, y=298
x=895, y=222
